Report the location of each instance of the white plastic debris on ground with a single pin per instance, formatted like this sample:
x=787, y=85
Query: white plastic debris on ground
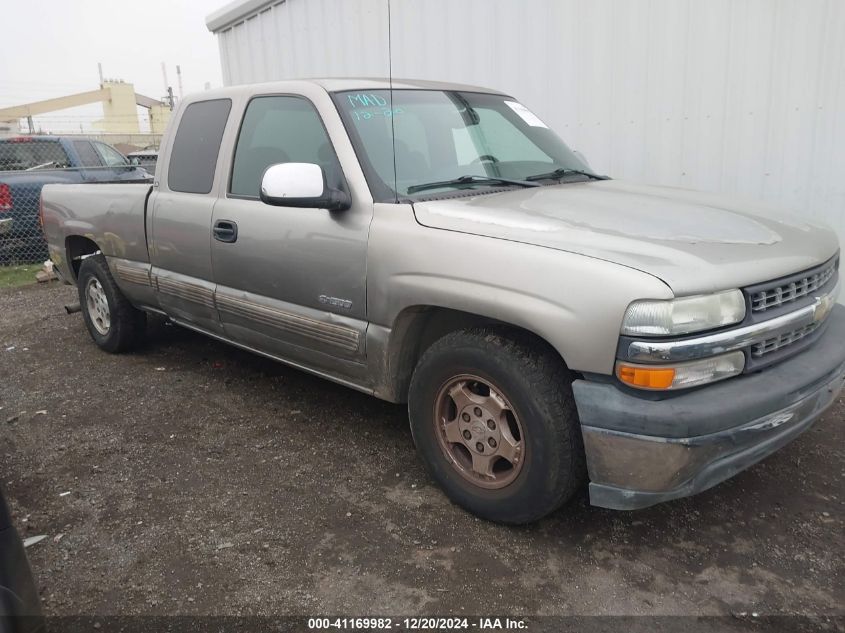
x=32, y=540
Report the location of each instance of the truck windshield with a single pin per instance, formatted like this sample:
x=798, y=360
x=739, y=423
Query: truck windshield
x=24, y=153
x=449, y=140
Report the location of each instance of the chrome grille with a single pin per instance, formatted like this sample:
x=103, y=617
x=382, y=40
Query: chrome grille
x=773, y=297
x=782, y=340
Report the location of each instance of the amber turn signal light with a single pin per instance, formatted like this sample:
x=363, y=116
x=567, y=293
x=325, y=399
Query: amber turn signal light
x=681, y=375
x=646, y=377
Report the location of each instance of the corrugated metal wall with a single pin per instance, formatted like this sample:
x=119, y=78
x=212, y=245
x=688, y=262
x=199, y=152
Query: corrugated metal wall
x=740, y=96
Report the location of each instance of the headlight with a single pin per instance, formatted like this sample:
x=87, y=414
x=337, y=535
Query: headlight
x=684, y=315
x=681, y=375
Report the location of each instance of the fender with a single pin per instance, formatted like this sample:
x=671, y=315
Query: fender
x=574, y=302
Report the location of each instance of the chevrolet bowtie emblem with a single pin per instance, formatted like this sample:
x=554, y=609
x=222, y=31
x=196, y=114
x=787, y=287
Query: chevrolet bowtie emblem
x=822, y=308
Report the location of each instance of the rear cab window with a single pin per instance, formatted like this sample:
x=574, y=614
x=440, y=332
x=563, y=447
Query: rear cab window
x=196, y=146
x=19, y=154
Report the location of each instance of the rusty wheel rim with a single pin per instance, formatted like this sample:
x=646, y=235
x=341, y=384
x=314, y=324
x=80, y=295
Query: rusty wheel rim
x=479, y=431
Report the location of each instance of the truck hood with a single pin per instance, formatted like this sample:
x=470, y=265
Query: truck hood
x=695, y=242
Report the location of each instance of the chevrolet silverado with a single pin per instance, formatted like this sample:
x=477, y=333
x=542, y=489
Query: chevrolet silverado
x=439, y=245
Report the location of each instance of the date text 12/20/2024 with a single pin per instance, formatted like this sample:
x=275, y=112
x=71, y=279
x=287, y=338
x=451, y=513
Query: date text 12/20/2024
x=416, y=624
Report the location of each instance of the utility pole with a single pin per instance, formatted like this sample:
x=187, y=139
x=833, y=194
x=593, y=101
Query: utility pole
x=100, y=68
x=167, y=88
x=179, y=79
x=164, y=74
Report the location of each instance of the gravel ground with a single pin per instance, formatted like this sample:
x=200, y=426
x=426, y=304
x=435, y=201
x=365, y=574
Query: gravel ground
x=192, y=478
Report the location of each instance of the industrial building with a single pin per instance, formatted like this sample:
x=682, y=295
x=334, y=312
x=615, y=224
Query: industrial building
x=743, y=97
x=120, y=110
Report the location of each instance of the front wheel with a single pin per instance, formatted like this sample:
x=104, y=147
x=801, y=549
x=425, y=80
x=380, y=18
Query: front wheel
x=494, y=420
x=114, y=323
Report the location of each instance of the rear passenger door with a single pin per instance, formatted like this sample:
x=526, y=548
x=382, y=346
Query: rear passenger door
x=293, y=281
x=179, y=222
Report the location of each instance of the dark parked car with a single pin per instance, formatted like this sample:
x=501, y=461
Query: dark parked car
x=146, y=158
x=20, y=608
x=27, y=163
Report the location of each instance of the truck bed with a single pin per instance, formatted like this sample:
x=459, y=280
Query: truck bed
x=110, y=214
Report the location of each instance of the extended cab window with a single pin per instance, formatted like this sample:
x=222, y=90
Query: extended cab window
x=197, y=143
x=87, y=156
x=279, y=130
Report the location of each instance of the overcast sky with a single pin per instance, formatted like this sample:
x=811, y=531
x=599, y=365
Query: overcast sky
x=51, y=48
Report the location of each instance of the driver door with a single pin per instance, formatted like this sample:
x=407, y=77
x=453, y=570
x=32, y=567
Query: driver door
x=290, y=281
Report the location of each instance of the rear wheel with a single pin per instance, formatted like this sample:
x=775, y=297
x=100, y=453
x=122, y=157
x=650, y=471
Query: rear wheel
x=114, y=323
x=494, y=420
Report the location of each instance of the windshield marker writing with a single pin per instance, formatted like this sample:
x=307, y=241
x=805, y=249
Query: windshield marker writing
x=366, y=100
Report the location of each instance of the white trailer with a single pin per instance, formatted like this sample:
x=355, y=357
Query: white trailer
x=739, y=96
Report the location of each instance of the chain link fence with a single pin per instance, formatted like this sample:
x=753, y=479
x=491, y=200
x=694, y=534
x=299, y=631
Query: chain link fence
x=27, y=163
x=21, y=238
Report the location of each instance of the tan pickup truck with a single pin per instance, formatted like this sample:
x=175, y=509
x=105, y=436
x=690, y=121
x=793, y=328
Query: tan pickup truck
x=439, y=245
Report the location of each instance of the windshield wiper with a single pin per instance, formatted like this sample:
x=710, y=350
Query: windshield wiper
x=561, y=172
x=471, y=180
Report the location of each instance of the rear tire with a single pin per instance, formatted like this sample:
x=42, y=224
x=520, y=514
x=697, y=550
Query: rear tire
x=494, y=420
x=114, y=323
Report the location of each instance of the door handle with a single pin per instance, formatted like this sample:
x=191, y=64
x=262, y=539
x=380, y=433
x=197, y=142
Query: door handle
x=225, y=231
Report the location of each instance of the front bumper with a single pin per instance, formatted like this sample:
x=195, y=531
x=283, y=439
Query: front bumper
x=643, y=451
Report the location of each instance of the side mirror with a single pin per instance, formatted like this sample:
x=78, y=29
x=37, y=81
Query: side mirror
x=301, y=185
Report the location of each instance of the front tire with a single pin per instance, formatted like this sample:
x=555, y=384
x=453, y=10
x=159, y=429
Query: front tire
x=494, y=420
x=114, y=323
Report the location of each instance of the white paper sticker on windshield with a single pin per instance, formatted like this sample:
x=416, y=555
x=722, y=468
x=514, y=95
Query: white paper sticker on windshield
x=525, y=114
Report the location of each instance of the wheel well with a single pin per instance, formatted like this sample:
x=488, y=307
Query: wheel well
x=76, y=247
x=418, y=327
